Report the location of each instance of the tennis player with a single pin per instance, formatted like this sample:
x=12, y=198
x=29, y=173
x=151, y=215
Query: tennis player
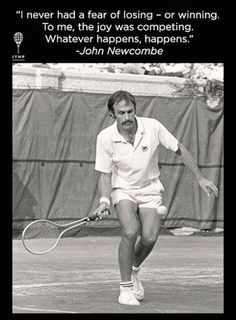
x=127, y=159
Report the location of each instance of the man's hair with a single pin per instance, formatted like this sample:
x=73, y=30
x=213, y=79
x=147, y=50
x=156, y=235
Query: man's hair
x=118, y=96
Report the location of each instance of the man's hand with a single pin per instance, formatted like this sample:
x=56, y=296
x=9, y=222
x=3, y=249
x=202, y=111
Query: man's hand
x=208, y=186
x=102, y=212
x=188, y=161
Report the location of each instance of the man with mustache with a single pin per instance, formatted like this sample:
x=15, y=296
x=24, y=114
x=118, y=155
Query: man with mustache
x=127, y=158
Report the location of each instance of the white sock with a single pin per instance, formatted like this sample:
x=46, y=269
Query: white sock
x=135, y=269
x=127, y=284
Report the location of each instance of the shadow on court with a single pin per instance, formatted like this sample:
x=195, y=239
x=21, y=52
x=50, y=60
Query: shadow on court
x=182, y=275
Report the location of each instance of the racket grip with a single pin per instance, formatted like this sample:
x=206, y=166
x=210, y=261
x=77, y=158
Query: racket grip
x=108, y=211
x=95, y=217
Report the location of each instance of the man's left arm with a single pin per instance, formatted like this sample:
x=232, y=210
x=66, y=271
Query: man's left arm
x=207, y=185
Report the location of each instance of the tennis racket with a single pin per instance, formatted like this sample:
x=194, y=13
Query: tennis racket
x=42, y=236
x=18, y=38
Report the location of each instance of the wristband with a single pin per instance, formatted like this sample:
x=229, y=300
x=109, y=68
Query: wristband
x=105, y=199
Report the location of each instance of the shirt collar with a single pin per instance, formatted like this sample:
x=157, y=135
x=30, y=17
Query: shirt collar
x=117, y=137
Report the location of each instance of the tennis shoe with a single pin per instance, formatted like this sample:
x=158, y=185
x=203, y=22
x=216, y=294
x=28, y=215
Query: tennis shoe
x=127, y=297
x=138, y=287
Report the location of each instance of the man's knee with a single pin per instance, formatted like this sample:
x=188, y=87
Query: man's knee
x=149, y=240
x=130, y=235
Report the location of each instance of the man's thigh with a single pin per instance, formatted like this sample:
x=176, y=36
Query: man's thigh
x=150, y=222
x=127, y=215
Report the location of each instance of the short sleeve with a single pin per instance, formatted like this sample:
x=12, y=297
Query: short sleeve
x=167, y=139
x=103, y=162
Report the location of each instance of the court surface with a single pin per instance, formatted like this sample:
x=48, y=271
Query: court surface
x=183, y=274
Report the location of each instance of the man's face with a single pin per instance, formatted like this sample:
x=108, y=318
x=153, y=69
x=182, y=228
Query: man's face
x=124, y=113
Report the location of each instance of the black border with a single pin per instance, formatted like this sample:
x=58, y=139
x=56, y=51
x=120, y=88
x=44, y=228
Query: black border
x=213, y=46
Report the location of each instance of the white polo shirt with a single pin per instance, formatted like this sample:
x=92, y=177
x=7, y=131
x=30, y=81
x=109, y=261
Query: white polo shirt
x=133, y=166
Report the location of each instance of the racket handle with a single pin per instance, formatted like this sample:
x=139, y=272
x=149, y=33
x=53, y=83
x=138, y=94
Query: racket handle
x=95, y=217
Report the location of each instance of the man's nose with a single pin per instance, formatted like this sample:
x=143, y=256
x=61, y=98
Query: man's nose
x=126, y=116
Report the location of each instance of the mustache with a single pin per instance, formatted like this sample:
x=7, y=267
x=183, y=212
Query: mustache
x=127, y=122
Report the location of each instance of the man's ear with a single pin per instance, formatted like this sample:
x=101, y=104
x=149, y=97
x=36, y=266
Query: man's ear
x=111, y=114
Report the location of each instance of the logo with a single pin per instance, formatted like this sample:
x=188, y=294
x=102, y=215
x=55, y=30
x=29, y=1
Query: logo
x=18, y=38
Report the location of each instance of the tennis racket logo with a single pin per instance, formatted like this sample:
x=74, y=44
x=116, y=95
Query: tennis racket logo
x=18, y=38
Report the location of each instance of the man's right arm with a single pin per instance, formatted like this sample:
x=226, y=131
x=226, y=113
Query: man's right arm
x=103, y=164
x=104, y=187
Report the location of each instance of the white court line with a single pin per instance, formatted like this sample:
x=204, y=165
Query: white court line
x=19, y=286
x=38, y=285
x=46, y=310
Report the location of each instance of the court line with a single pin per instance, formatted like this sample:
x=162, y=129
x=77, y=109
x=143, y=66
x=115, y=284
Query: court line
x=38, y=285
x=37, y=309
x=19, y=286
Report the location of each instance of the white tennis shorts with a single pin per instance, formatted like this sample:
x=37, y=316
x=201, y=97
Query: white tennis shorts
x=149, y=196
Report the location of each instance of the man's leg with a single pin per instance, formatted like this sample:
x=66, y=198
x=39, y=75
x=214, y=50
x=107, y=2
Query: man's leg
x=150, y=228
x=127, y=214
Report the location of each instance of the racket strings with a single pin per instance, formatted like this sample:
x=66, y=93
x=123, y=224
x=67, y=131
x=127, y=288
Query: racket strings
x=18, y=37
x=41, y=236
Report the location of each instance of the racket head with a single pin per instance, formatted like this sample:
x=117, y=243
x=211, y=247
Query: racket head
x=18, y=38
x=41, y=236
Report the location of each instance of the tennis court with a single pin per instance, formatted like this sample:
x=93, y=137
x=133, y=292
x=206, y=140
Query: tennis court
x=183, y=274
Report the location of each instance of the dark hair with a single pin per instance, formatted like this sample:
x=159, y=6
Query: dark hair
x=118, y=96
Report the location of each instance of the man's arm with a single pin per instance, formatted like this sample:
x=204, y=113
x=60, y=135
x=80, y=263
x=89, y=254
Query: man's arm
x=104, y=188
x=189, y=162
x=104, y=185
